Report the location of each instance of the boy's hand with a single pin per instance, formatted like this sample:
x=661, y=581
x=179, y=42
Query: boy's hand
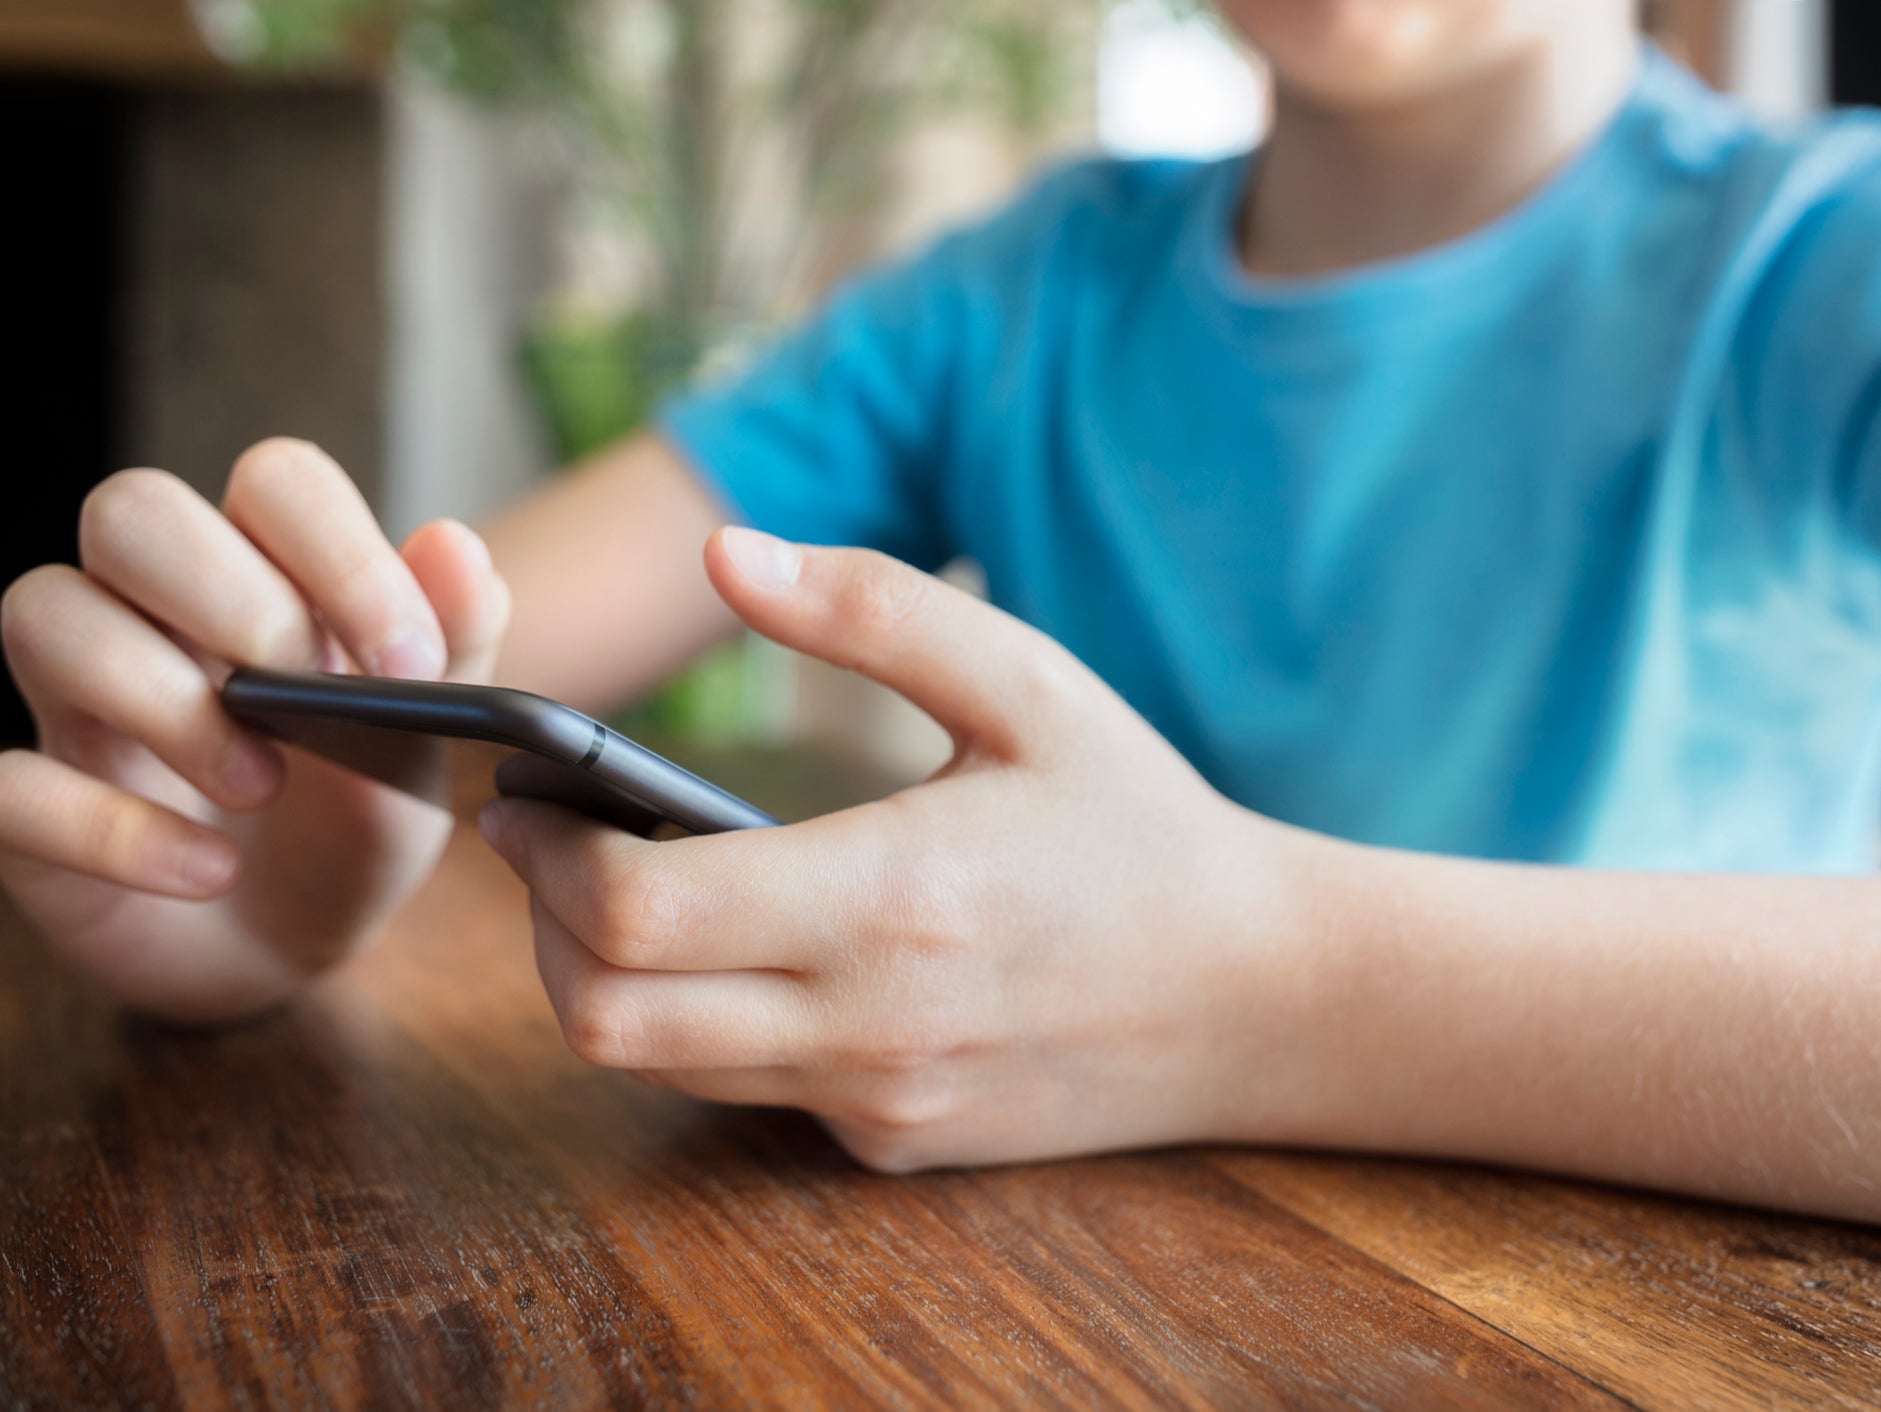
x=1044, y=949
x=177, y=857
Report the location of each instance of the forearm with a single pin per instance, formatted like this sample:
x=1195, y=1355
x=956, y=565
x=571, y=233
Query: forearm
x=1713, y=1035
x=609, y=591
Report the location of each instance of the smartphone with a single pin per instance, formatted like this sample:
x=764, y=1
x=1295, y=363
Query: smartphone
x=460, y=746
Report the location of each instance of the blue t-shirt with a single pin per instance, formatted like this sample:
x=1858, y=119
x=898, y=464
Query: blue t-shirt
x=1557, y=543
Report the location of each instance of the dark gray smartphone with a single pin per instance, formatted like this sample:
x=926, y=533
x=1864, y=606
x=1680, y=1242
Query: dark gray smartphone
x=459, y=746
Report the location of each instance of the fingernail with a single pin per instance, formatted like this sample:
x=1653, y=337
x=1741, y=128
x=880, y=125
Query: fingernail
x=763, y=559
x=414, y=657
x=209, y=867
x=250, y=770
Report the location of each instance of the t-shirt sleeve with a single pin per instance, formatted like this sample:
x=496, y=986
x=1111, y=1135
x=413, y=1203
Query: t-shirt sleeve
x=847, y=430
x=838, y=432
x=1858, y=480
x=1847, y=341
x=1814, y=402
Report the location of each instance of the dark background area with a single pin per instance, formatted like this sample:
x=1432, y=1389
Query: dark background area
x=194, y=263
x=1855, y=51
x=66, y=179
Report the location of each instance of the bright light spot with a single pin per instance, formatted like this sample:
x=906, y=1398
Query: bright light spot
x=231, y=29
x=1174, y=86
x=1779, y=56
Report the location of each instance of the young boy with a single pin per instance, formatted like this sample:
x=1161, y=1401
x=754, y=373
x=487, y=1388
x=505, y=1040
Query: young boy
x=1484, y=477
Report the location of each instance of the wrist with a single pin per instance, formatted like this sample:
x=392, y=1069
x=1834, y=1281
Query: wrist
x=1327, y=968
x=1280, y=983
x=1427, y=1015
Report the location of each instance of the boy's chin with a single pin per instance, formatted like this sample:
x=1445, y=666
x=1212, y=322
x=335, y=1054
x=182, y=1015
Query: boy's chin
x=1377, y=54
x=1356, y=90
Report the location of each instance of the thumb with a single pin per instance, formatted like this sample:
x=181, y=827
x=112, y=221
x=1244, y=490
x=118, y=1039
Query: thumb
x=984, y=675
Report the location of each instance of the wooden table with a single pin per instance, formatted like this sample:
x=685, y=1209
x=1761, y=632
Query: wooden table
x=406, y=1193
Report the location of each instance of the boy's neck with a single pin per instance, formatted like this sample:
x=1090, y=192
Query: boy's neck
x=1334, y=190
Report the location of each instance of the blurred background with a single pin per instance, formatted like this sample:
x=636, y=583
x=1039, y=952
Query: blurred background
x=461, y=243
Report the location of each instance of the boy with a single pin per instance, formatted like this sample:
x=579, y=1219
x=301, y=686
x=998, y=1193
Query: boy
x=1486, y=468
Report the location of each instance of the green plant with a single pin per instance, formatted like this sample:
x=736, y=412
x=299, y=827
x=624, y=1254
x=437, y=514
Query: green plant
x=684, y=115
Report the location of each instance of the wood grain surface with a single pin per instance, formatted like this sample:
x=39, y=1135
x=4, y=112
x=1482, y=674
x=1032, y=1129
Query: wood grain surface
x=406, y=1193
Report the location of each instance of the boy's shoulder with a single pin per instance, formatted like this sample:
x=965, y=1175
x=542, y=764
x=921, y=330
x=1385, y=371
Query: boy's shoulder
x=1796, y=221
x=1760, y=170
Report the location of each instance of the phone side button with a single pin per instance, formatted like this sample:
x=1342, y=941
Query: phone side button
x=594, y=749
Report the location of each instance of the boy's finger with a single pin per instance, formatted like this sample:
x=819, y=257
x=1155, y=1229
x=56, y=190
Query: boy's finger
x=987, y=678
x=55, y=814
x=667, y=1019
x=76, y=648
x=452, y=566
x=165, y=550
x=731, y=902
x=304, y=512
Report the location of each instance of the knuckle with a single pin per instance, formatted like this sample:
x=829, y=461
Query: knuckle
x=280, y=635
x=888, y=1151
x=30, y=610
x=366, y=593
x=119, y=508
x=177, y=704
x=207, y=738
x=16, y=768
x=904, y=1048
x=644, y=909
x=36, y=803
x=593, y=1030
x=268, y=467
x=23, y=793
x=907, y=1103
x=906, y=1054
x=928, y=908
x=589, y=1042
x=108, y=833
x=938, y=922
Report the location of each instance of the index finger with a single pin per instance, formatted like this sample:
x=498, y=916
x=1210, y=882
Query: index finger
x=305, y=513
x=755, y=899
